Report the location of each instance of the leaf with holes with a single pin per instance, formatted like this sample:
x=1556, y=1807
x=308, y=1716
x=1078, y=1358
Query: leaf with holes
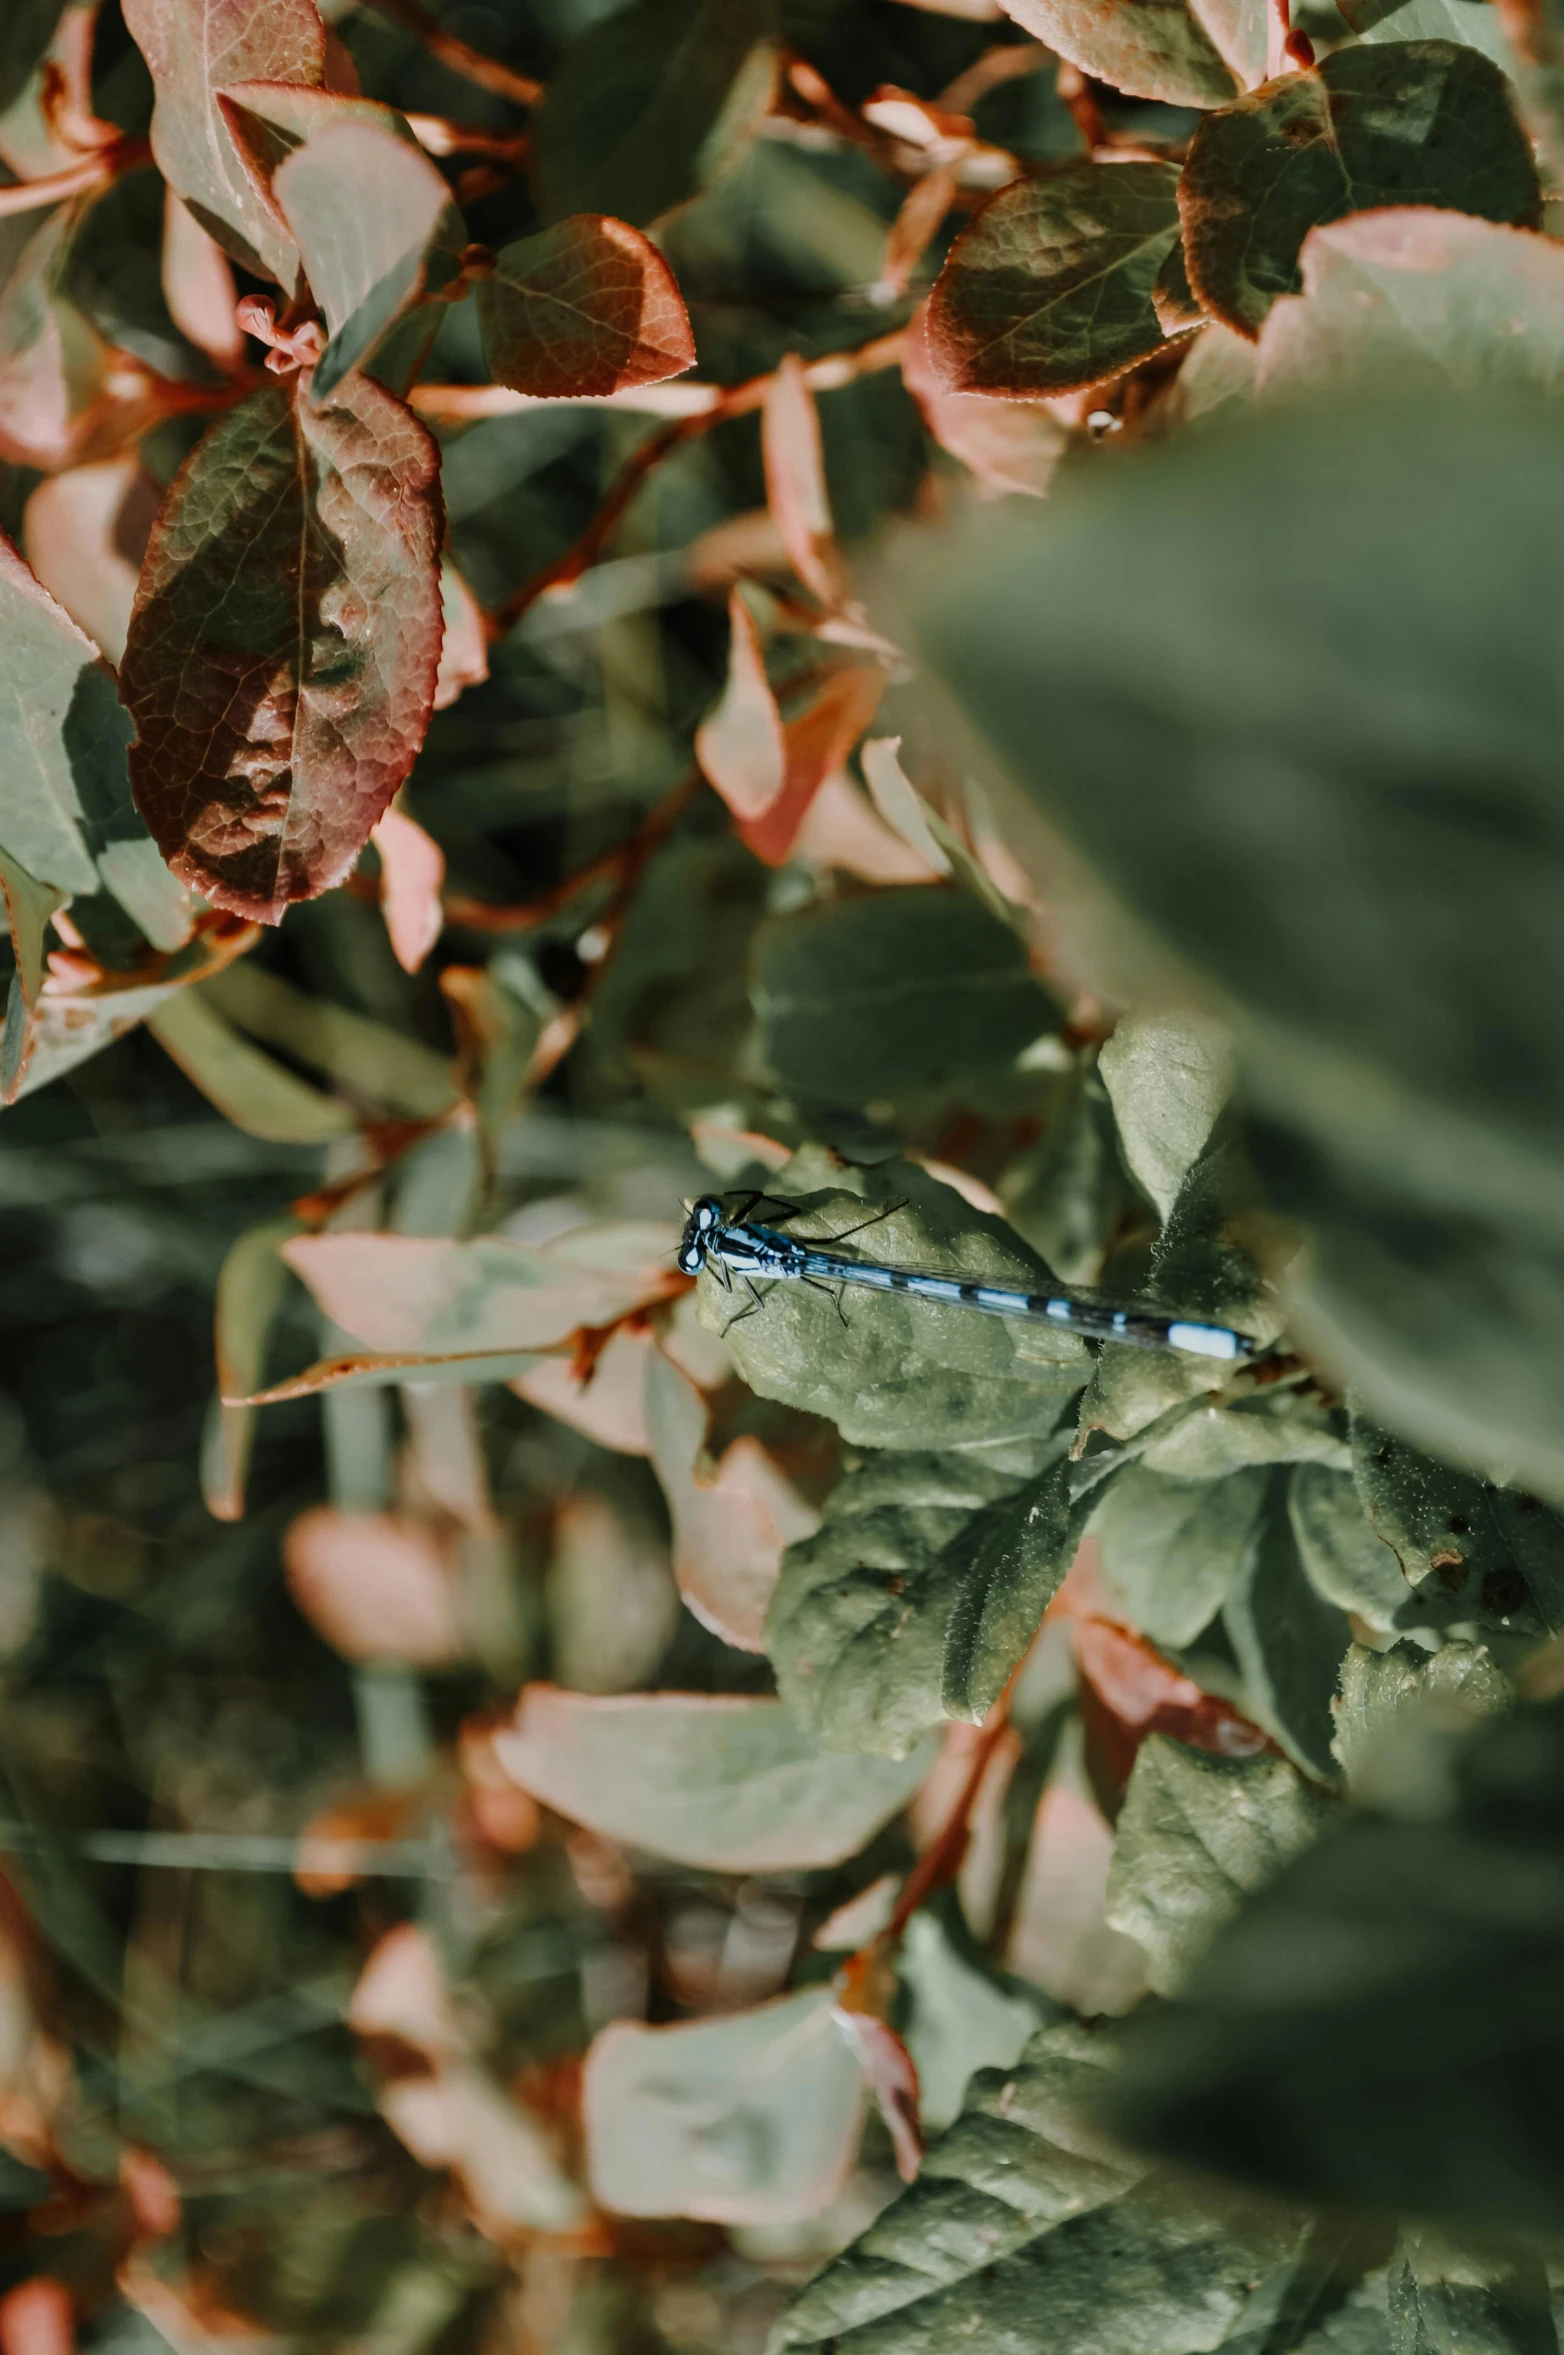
x=588, y=307
x=284, y=646
x=1053, y=286
x=1413, y=122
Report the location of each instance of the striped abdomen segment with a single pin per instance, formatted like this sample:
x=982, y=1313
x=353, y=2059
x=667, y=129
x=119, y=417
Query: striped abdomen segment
x=1095, y=1320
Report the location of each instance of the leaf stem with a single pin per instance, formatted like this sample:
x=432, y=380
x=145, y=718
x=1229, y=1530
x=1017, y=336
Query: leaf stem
x=459, y=55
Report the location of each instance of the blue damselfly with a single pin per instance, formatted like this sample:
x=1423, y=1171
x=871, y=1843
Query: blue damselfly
x=736, y=1245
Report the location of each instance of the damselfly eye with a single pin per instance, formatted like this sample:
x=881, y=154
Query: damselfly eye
x=707, y=1213
x=690, y=1259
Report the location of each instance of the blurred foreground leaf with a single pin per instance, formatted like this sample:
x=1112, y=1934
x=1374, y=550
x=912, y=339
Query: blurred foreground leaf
x=1319, y=761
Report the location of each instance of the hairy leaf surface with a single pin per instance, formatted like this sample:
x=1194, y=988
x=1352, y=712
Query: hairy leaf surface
x=920, y=1591
x=1197, y=1836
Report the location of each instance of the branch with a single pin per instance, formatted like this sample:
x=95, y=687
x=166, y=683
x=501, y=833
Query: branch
x=460, y=56
x=94, y=171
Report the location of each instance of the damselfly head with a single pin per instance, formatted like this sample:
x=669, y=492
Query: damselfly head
x=705, y=1216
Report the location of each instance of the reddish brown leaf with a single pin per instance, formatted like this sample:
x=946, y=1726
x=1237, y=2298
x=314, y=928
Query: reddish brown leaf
x=194, y=47
x=795, y=481
x=412, y=869
x=283, y=651
x=84, y=533
x=35, y=2318
x=464, y=649
x=893, y=2080
x=377, y=1586
x=1009, y=445
x=818, y=741
x=198, y=285
x=740, y=744
x=588, y=307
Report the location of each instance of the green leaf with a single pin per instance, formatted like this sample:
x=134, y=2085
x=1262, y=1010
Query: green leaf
x=1170, y=1549
x=29, y=30
x=728, y=1782
x=1012, y=2238
x=588, y=307
x=111, y=272
x=1413, y=122
x=1021, y=2160
x=1379, y=2028
x=920, y=1591
x=1282, y=1427
x=1157, y=49
x=366, y=207
x=895, y=993
x=282, y=653
x=1397, y=1717
x=751, y=2119
x=899, y=1372
x=1052, y=286
x=1418, y=294
x=961, y=2022
x=650, y=105
x=251, y=1285
x=1445, y=2297
x=417, y=1292
x=1167, y=1077
x=1346, y=1559
x=1330, y=791
x=1197, y=1836
x=1469, y=1551
x=1290, y=1642
x=66, y=816
x=258, y=1095
x=194, y=48
x=1477, y=23
x=29, y=906
x=1535, y=37
x=1199, y=1268
x=371, y=1063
